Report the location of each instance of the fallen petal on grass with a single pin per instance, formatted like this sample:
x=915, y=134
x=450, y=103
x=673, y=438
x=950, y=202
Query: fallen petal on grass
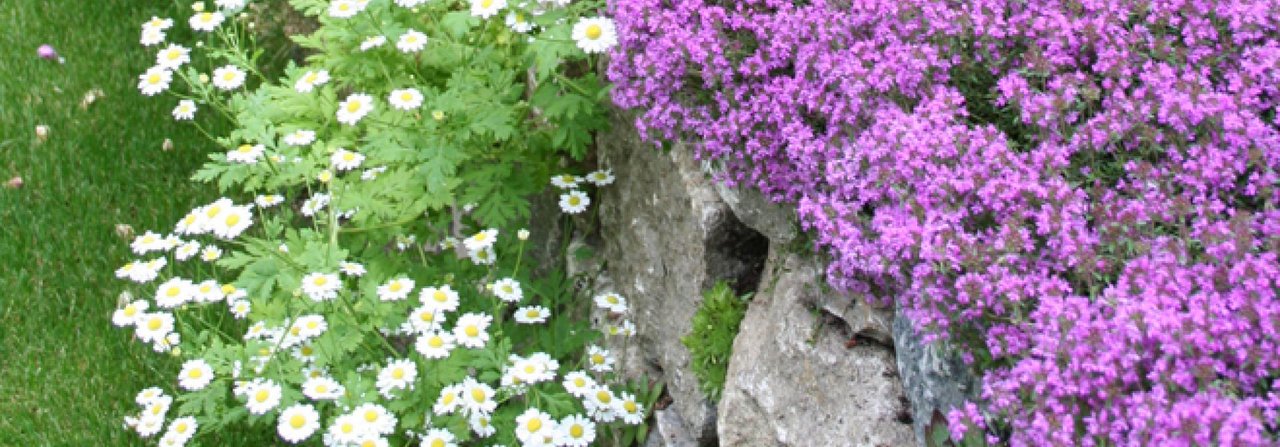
x=42, y=133
x=124, y=232
x=13, y=183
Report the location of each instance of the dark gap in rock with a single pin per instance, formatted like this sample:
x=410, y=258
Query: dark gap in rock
x=852, y=339
x=736, y=253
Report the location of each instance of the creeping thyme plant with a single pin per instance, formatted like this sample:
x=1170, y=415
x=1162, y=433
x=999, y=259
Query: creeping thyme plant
x=363, y=281
x=1081, y=194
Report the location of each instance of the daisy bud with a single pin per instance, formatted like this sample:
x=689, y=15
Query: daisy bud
x=523, y=234
x=124, y=299
x=197, y=6
x=124, y=231
x=47, y=52
x=438, y=115
x=167, y=145
x=13, y=183
x=204, y=78
x=177, y=352
x=42, y=133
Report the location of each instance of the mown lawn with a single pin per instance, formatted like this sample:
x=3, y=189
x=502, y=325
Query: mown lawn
x=67, y=376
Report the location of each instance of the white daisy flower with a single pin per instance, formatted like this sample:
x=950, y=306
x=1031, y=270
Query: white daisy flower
x=599, y=359
x=230, y=4
x=574, y=202
x=482, y=425
x=158, y=24
x=210, y=253
x=602, y=177
x=239, y=308
x=154, y=81
x=412, y=41
x=174, y=292
x=396, y=289
x=611, y=302
x=151, y=36
x=397, y=375
x=483, y=257
x=344, y=9
x=314, y=204
x=347, y=430
x=297, y=423
x=532, y=315
x=576, y=431
x=565, y=181
x=629, y=409
x=600, y=403
x=310, y=80
x=478, y=397
x=206, y=21
x=482, y=240
x=579, y=383
x=533, y=426
x=208, y=291
x=507, y=289
x=147, y=242
x=185, y=110
x=322, y=388
x=246, y=153
x=173, y=56
x=449, y=401
x=153, y=326
x=518, y=22
x=595, y=35
x=355, y=107
x=129, y=314
x=345, y=160
x=372, y=42
x=438, y=437
x=308, y=326
x=321, y=286
x=376, y=418
x=471, y=330
x=181, y=430
x=148, y=395
x=268, y=200
x=300, y=137
x=425, y=319
x=262, y=396
x=442, y=298
x=434, y=345
x=487, y=8
x=148, y=426
x=405, y=98
x=351, y=269
x=195, y=375
x=228, y=77
x=233, y=222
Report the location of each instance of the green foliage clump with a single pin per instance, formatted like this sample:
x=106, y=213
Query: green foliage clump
x=711, y=341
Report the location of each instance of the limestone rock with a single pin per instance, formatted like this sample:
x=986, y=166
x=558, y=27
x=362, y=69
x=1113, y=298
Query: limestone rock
x=667, y=237
x=793, y=379
x=934, y=377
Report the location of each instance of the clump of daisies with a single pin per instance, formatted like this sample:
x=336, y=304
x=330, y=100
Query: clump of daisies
x=360, y=283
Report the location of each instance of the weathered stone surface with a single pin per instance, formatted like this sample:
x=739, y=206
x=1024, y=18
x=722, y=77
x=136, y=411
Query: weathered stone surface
x=934, y=377
x=667, y=237
x=775, y=221
x=794, y=379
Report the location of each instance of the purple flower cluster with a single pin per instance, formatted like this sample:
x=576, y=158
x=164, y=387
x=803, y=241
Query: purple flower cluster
x=1085, y=191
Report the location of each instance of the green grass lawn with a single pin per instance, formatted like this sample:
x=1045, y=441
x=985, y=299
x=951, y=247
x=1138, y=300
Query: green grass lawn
x=67, y=376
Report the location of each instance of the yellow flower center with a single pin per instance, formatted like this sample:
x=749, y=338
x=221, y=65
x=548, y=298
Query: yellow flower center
x=206, y=17
x=262, y=396
x=181, y=427
x=228, y=289
x=344, y=7
x=440, y=296
x=576, y=431
x=195, y=373
x=173, y=291
x=368, y=443
x=574, y=201
x=508, y=289
x=307, y=350
x=529, y=369
x=629, y=406
x=347, y=427
x=154, y=324
x=353, y=106
x=312, y=324
x=472, y=331
x=406, y=97
x=370, y=416
x=427, y=317
x=395, y=286
x=604, y=396
x=320, y=281
x=153, y=79
x=229, y=76
x=448, y=399
x=597, y=359
x=213, y=211
x=295, y=331
x=349, y=156
x=531, y=314
x=594, y=32
x=232, y=220
x=534, y=425
x=398, y=374
x=297, y=421
x=321, y=388
x=311, y=78
x=478, y=395
x=579, y=382
x=173, y=54
x=437, y=443
x=130, y=310
x=436, y=342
